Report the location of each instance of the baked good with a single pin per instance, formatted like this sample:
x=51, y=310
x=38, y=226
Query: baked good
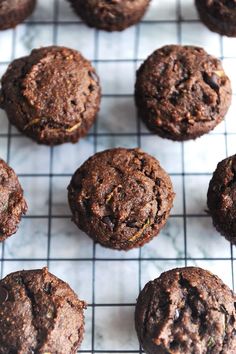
x=186, y=310
x=13, y=12
x=218, y=15
x=182, y=92
x=12, y=202
x=40, y=314
x=221, y=198
x=55, y=96
x=115, y=15
x=121, y=198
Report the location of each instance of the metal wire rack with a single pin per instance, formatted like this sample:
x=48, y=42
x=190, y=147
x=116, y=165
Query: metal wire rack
x=108, y=280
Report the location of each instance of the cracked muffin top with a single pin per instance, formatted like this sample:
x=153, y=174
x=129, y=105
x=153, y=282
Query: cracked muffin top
x=219, y=8
x=218, y=15
x=40, y=314
x=186, y=310
x=12, y=202
x=182, y=92
x=221, y=198
x=121, y=198
x=55, y=96
x=13, y=12
x=115, y=15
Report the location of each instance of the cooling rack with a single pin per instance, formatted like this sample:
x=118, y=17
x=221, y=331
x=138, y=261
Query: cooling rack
x=109, y=280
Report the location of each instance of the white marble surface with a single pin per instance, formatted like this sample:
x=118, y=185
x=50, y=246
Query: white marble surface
x=155, y=35
x=115, y=277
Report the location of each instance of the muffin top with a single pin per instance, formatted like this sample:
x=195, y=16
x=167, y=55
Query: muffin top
x=12, y=202
x=222, y=9
x=113, y=15
x=221, y=198
x=182, y=92
x=121, y=197
x=9, y=5
x=55, y=91
x=39, y=314
x=186, y=310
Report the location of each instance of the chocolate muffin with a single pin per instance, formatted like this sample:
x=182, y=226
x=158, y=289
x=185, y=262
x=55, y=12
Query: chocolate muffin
x=186, y=310
x=52, y=95
x=12, y=202
x=115, y=15
x=221, y=198
x=218, y=15
x=121, y=198
x=182, y=92
x=13, y=12
x=40, y=314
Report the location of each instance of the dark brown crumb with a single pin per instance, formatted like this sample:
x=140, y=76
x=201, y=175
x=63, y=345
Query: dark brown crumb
x=115, y=15
x=12, y=202
x=182, y=92
x=221, y=198
x=55, y=96
x=218, y=15
x=39, y=314
x=13, y=12
x=186, y=310
x=121, y=198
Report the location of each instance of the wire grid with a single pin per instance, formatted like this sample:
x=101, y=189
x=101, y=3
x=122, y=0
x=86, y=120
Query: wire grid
x=108, y=280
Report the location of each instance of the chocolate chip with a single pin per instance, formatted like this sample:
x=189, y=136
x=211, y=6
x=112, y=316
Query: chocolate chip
x=174, y=98
x=107, y=220
x=212, y=80
x=3, y=295
x=93, y=75
x=47, y=288
x=73, y=102
x=19, y=280
x=132, y=223
x=91, y=88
